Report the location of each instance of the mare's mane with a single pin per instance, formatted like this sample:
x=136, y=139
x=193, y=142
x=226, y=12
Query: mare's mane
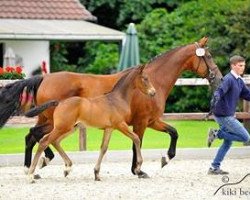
x=167, y=53
x=128, y=71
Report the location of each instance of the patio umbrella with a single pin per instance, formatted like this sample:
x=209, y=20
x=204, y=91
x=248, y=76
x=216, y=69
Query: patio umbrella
x=130, y=49
x=9, y=58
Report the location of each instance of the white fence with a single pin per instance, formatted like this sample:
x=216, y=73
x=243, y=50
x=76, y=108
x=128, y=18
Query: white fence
x=244, y=115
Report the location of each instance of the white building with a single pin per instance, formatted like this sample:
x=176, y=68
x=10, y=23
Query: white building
x=28, y=26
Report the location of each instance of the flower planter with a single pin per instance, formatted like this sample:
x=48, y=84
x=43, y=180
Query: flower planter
x=11, y=73
x=7, y=81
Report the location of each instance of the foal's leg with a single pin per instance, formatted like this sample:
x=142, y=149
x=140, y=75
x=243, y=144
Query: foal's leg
x=67, y=161
x=41, y=147
x=43, y=144
x=159, y=125
x=104, y=147
x=123, y=127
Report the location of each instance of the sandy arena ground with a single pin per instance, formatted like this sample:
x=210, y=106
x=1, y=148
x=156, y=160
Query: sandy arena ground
x=181, y=179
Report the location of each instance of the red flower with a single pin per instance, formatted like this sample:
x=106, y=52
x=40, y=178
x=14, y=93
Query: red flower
x=1, y=70
x=19, y=69
x=9, y=69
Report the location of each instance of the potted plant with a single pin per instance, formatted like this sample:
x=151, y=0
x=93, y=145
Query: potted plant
x=9, y=74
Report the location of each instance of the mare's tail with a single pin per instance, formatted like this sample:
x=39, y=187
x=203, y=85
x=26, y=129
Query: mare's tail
x=10, y=101
x=37, y=110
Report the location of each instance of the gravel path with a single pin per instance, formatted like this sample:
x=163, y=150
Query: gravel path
x=181, y=179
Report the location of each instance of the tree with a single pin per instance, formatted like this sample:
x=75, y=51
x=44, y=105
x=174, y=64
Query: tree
x=122, y=12
x=225, y=22
x=163, y=25
x=104, y=58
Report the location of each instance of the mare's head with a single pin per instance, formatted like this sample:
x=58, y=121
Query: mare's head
x=202, y=63
x=142, y=81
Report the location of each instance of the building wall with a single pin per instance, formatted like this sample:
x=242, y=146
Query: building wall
x=33, y=53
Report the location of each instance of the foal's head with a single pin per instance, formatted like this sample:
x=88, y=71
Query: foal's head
x=134, y=78
x=142, y=81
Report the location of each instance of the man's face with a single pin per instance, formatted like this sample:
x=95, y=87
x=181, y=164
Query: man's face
x=239, y=67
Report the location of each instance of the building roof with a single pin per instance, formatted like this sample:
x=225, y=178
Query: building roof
x=28, y=29
x=50, y=20
x=44, y=9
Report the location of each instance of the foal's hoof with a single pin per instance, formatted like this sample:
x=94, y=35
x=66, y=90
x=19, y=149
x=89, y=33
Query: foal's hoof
x=43, y=162
x=37, y=176
x=142, y=174
x=31, y=181
x=31, y=178
x=66, y=171
x=164, y=161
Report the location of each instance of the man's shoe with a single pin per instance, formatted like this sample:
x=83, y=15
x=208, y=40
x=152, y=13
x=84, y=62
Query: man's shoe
x=213, y=171
x=212, y=135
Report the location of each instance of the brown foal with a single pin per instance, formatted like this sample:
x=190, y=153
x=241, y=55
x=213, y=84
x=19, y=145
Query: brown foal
x=108, y=112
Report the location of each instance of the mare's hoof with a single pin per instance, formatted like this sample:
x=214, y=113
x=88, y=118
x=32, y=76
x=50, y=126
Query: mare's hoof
x=37, y=176
x=143, y=175
x=26, y=170
x=164, y=161
x=97, y=176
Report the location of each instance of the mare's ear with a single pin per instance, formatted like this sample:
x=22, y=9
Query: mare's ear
x=141, y=68
x=203, y=42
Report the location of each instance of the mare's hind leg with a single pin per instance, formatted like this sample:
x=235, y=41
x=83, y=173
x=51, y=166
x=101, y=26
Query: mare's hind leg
x=35, y=134
x=123, y=127
x=159, y=125
x=30, y=142
x=67, y=161
x=104, y=147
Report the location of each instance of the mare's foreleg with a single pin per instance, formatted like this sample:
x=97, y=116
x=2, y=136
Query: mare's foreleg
x=159, y=125
x=139, y=129
x=104, y=147
x=123, y=127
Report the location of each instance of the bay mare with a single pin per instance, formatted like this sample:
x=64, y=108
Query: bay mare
x=163, y=72
x=108, y=112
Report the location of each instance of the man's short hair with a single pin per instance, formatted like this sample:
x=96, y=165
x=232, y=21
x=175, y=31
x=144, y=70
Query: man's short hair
x=236, y=59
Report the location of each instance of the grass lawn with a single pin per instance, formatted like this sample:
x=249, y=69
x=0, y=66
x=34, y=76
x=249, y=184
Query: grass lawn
x=192, y=134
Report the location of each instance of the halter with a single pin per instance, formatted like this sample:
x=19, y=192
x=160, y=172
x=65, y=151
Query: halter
x=200, y=52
